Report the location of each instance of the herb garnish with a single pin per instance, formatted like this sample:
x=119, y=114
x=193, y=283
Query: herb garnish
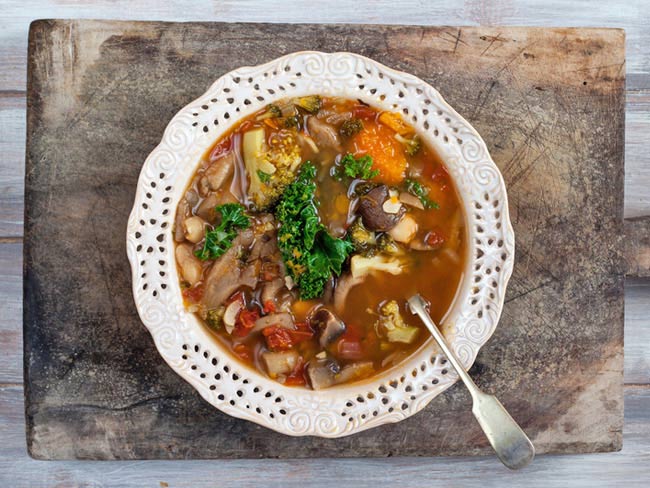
x=355, y=168
x=219, y=239
x=420, y=191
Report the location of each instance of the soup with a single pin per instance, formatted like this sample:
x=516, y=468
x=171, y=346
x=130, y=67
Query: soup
x=304, y=231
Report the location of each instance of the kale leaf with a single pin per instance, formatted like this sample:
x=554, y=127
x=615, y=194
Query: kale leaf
x=422, y=192
x=355, y=168
x=309, y=252
x=219, y=239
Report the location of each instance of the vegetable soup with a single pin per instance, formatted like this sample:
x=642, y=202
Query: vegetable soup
x=305, y=229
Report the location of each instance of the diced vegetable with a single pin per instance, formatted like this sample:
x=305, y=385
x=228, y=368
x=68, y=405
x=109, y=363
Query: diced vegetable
x=278, y=363
x=311, y=103
x=411, y=145
x=219, y=239
x=277, y=338
x=351, y=127
x=388, y=157
x=270, y=167
x=363, y=239
x=405, y=230
x=391, y=325
x=361, y=265
x=395, y=122
x=272, y=111
x=214, y=318
x=355, y=371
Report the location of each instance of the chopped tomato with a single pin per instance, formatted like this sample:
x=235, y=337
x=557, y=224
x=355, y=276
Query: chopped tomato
x=378, y=141
x=245, y=322
x=269, y=306
x=277, y=338
x=220, y=149
x=194, y=294
x=297, y=376
x=302, y=333
x=435, y=238
x=243, y=351
x=363, y=112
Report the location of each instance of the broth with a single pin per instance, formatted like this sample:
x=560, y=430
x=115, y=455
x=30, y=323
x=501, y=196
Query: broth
x=304, y=231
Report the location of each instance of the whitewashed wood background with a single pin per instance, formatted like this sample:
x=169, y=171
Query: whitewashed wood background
x=630, y=467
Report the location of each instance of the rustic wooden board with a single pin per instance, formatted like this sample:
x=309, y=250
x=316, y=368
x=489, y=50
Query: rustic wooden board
x=549, y=103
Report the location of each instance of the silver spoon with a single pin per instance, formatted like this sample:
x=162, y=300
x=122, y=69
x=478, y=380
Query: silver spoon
x=511, y=444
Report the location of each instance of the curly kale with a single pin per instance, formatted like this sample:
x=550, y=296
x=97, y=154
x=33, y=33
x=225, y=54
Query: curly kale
x=309, y=252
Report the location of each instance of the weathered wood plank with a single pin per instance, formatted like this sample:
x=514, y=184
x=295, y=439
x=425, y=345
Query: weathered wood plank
x=627, y=468
x=632, y=15
x=11, y=305
x=637, y=331
x=556, y=360
x=12, y=163
x=637, y=246
x=637, y=154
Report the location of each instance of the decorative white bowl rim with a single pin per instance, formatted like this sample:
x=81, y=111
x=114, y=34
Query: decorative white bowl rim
x=233, y=387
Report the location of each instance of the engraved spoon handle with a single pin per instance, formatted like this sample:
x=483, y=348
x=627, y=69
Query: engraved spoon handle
x=510, y=443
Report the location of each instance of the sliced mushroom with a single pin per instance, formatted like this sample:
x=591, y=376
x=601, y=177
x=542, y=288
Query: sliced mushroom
x=371, y=209
x=343, y=286
x=218, y=172
x=322, y=372
x=182, y=213
x=283, y=320
x=230, y=315
x=278, y=363
x=329, y=326
x=324, y=134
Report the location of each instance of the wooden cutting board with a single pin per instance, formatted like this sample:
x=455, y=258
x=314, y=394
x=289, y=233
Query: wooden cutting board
x=548, y=102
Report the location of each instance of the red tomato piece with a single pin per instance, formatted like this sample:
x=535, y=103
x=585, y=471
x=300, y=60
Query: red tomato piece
x=277, y=338
x=435, y=238
x=269, y=306
x=194, y=294
x=245, y=322
x=297, y=376
x=220, y=149
x=363, y=112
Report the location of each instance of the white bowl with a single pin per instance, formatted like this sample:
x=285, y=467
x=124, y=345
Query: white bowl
x=235, y=388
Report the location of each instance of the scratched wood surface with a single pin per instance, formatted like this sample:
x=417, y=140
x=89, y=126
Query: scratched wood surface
x=629, y=467
x=93, y=377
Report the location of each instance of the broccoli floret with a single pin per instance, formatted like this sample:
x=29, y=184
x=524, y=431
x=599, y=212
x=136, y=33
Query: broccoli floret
x=391, y=325
x=214, y=318
x=272, y=111
x=311, y=103
x=411, y=146
x=363, y=239
x=292, y=122
x=387, y=244
x=351, y=127
x=271, y=167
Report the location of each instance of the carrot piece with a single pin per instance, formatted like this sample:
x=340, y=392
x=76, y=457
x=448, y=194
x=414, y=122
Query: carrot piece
x=395, y=122
x=378, y=141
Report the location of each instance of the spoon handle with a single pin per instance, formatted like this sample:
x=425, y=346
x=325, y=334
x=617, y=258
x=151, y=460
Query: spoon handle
x=508, y=440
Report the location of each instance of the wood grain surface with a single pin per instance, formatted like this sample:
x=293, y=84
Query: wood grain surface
x=93, y=377
x=630, y=467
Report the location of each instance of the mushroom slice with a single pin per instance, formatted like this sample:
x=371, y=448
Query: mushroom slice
x=322, y=372
x=371, y=209
x=329, y=326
